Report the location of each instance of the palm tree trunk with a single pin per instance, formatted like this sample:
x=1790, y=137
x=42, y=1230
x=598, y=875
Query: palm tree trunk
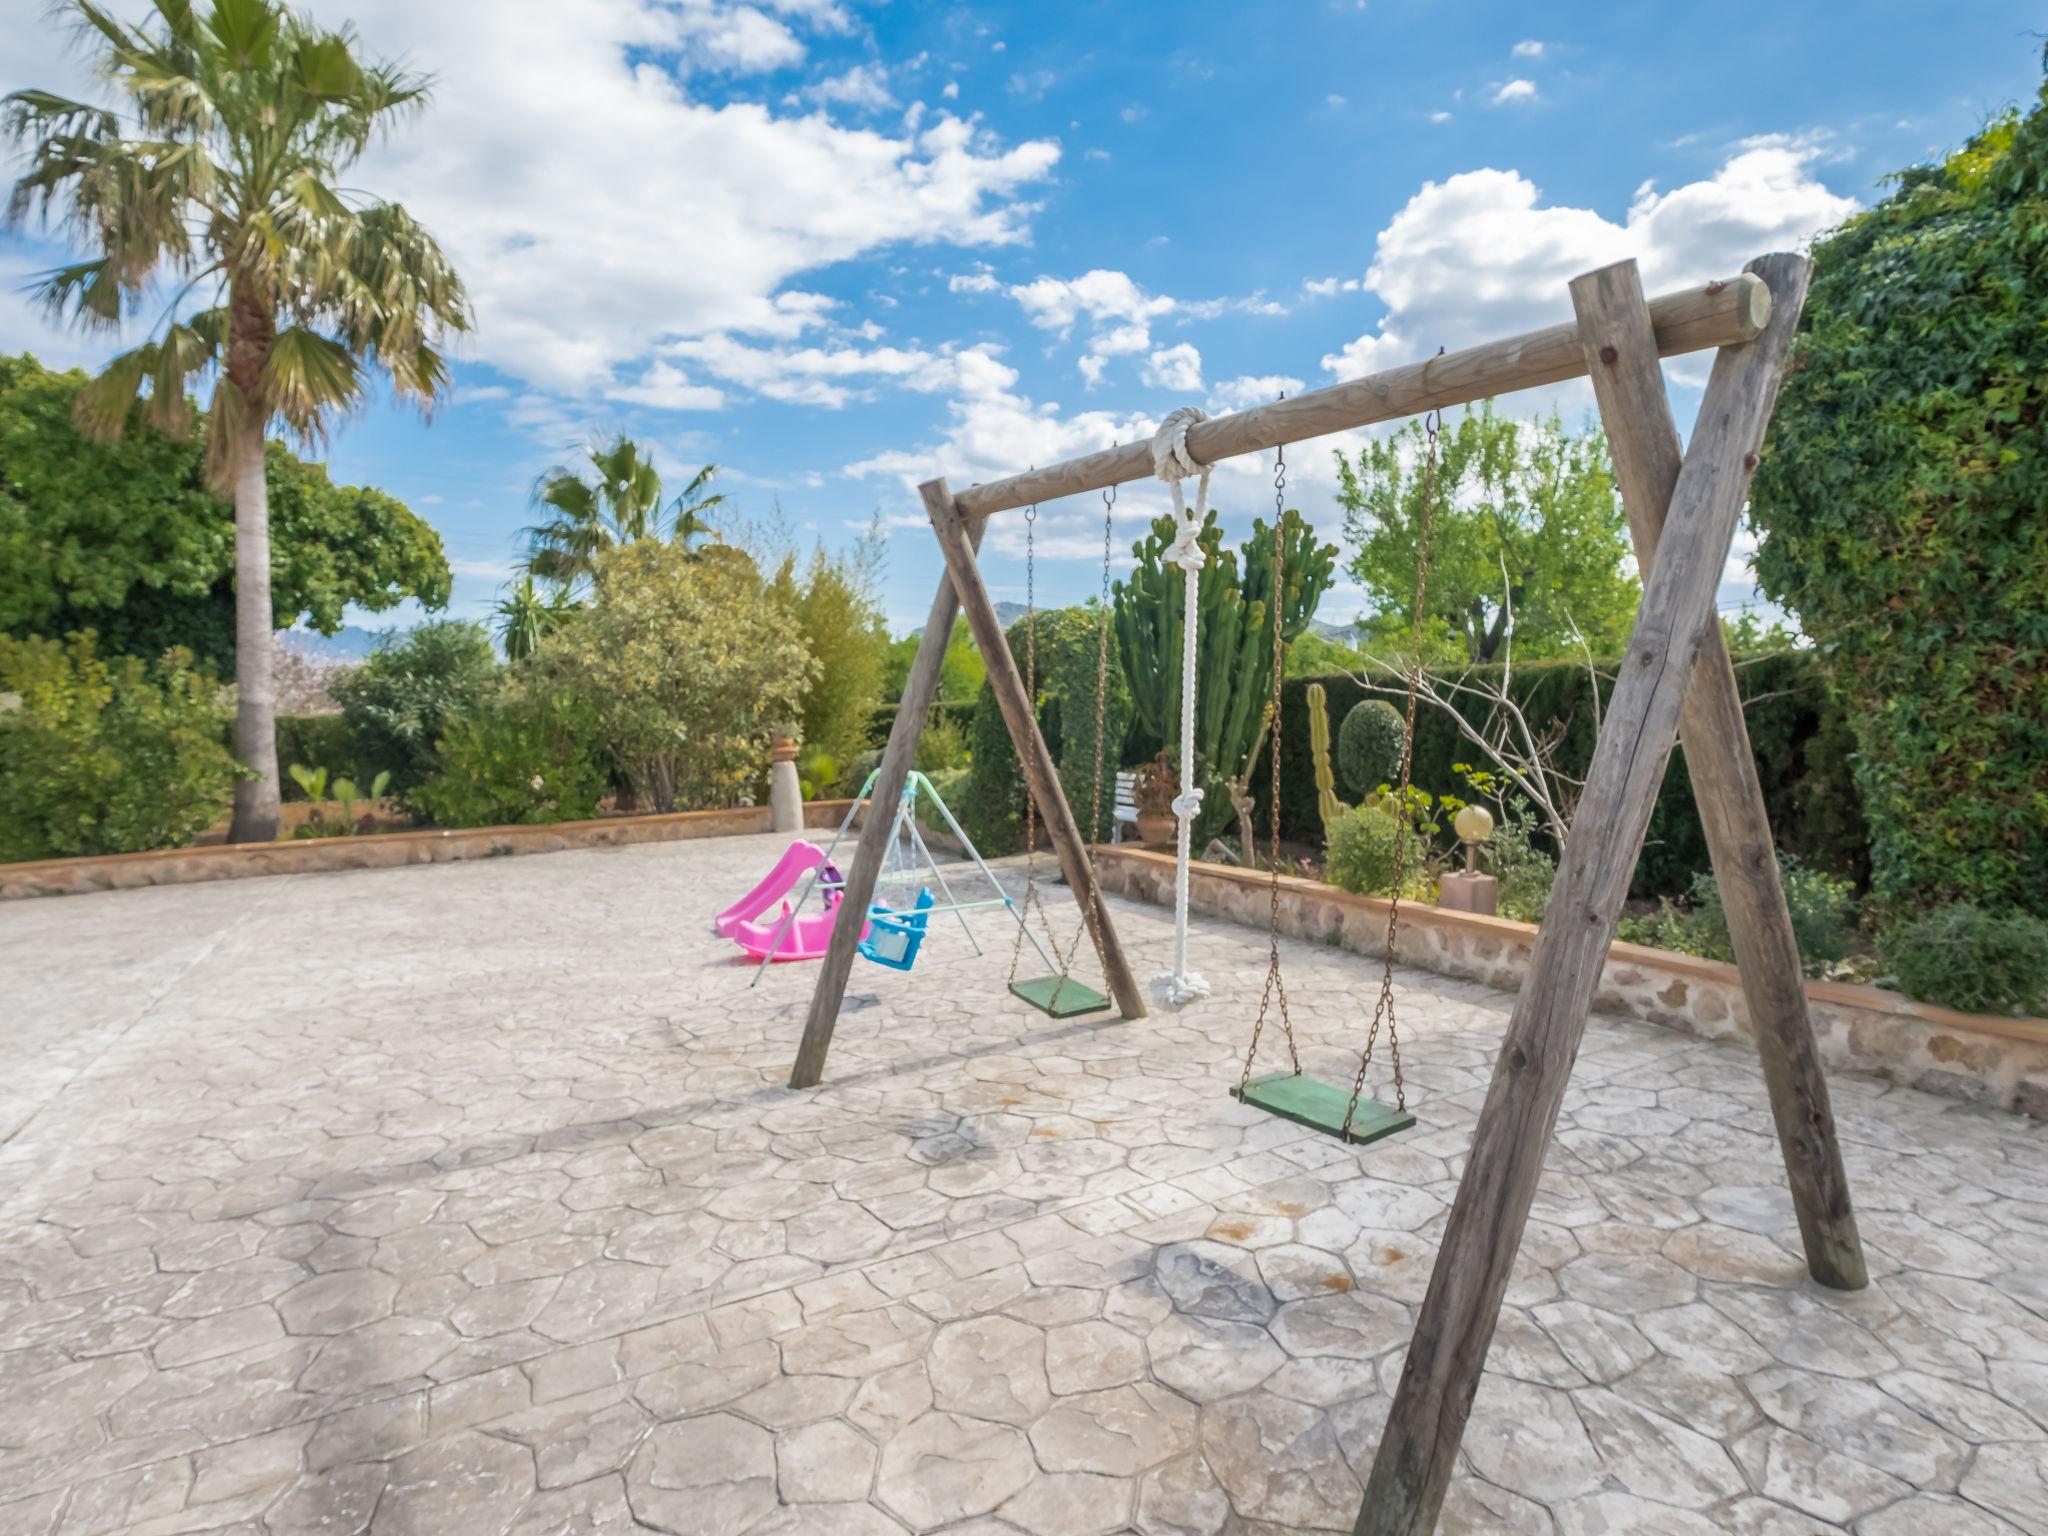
x=256, y=708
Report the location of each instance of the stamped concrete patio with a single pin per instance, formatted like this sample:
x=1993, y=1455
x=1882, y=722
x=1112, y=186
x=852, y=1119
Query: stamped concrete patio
x=467, y=1199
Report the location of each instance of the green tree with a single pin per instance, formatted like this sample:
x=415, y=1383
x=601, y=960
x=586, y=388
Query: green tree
x=1900, y=504
x=400, y=699
x=683, y=676
x=960, y=672
x=526, y=615
x=226, y=181
x=620, y=503
x=842, y=628
x=128, y=539
x=1525, y=512
x=106, y=755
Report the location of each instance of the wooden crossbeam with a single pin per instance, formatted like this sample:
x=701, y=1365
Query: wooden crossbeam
x=1621, y=357
x=1426, y=1421
x=1718, y=314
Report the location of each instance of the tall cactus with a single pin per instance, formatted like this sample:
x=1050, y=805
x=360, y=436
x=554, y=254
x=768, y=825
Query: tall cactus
x=1235, y=655
x=1328, y=806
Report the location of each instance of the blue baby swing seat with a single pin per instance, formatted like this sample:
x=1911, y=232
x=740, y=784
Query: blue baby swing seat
x=895, y=937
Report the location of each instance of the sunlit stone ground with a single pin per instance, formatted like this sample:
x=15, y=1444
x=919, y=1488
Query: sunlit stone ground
x=467, y=1198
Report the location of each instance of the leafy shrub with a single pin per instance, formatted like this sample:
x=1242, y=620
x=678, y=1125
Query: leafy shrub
x=1525, y=872
x=947, y=783
x=941, y=746
x=1369, y=745
x=1798, y=731
x=683, y=677
x=856, y=774
x=1899, y=502
x=398, y=701
x=833, y=607
x=107, y=755
x=327, y=739
x=521, y=757
x=1363, y=853
x=1822, y=919
x=1965, y=957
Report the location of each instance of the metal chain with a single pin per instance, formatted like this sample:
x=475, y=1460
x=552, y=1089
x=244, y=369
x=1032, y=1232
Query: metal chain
x=1432, y=425
x=1031, y=696
x=1276, y=985
x=1091, y=909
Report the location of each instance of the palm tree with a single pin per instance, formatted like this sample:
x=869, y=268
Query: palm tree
x=619, y=504
x=286, y=286
x=527, y=616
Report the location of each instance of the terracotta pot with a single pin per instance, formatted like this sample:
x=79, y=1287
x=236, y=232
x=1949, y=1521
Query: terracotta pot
x=782, y=749
x=1160, y=827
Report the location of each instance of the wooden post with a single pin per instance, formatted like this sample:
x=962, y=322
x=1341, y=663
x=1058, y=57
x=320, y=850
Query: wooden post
x=894, y=770
x=957, y=538
x=1426, y=1421
x=1621, y=355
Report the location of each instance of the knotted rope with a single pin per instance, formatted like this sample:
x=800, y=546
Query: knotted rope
x=1172, y=463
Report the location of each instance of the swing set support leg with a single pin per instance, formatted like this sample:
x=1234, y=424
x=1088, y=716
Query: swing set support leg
x=959, y=537
x=1411, y=1472
x=886, y=789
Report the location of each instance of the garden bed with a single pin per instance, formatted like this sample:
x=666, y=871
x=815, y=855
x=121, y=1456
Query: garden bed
x=2000, y=1061
x=241, y=861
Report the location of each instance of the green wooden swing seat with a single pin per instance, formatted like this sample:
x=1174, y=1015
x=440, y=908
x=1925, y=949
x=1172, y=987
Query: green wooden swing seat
x=1062, y=997
x=1320, y=1106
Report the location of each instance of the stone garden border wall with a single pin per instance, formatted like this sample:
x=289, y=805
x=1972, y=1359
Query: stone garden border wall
x=383, y=850
x=1982, y=1058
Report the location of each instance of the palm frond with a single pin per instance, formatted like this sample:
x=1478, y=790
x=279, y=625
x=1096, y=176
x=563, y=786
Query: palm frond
x=103, y=407
x=307, y=377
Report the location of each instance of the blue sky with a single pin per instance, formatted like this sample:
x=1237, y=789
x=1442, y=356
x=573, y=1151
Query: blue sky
x=839, y=248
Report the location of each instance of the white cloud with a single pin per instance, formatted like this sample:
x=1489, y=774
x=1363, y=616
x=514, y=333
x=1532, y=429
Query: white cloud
x=1439, y=117
x=1325, y=287
x=951, y=91
x=832, y=376
x=667, y=388
x=599, y=208
x=981, y=280
x=1247, y=390
x=1528, y=48
x=742, y=38
x=1513, y=91
x=1134, y=112
x=1477, y=256
x=1178, y=368
x=864, y=85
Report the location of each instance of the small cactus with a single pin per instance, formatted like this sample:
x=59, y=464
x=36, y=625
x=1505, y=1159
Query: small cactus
x=1328, y=806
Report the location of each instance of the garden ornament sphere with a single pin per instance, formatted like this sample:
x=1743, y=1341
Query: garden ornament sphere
x=1474, y=824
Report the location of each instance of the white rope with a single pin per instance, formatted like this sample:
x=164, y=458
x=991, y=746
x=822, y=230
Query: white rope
x=1172, y=463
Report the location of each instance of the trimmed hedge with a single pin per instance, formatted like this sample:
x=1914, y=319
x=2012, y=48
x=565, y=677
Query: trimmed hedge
x=1800, y=738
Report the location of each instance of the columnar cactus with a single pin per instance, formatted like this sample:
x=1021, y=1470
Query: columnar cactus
x=1328, y=806
x=1235, y=659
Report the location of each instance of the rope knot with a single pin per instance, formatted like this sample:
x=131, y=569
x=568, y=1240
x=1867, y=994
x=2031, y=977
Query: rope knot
x=1172, y=463
x=1187, y=805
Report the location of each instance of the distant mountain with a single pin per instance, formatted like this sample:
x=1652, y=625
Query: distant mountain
x=349, y=643
x=1343, y=634
x=1010, y=613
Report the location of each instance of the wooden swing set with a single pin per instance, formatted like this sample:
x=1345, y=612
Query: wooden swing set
x=1676, y=679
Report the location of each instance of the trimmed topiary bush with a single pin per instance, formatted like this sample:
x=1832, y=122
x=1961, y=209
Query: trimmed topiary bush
x=1369, y=745
x=1965, y=957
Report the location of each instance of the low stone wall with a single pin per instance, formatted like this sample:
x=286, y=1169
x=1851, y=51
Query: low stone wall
x=383, y=850
x=1979, y=1057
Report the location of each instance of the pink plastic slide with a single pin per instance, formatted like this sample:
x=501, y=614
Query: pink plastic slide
x=807, y=938
x=800, y=859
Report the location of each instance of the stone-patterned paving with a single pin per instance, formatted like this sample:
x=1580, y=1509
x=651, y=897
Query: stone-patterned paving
x=467, y=1199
